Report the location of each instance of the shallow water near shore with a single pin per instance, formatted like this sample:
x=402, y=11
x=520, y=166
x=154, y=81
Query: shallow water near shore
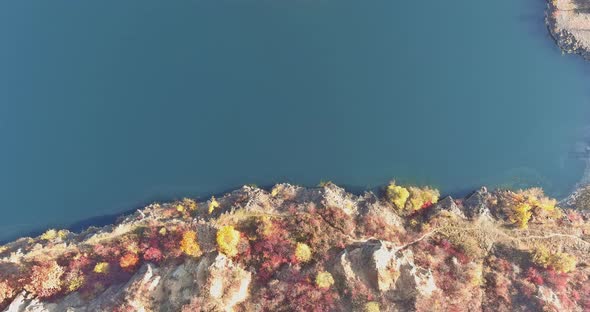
x=108, y=105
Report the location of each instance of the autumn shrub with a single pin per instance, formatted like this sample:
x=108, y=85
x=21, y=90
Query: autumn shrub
x=453, y=251
x=152, y=254
x=302, y=253
x=323, y=231
x=213, y=204
x=337, y=218
x=227, y=240
x=374, y=225
x=271, y=248
x=129, y=261
x=189, y=244
x=78, y=262
x=189, y=204
x=557, y=280
x=298, y=295
x=421, y=198
x=45, y=279
x=372, y=306
x=324, y=280
x=523, y=205
x=102, y=268
x=411, y=199
x=520, y=215
x=6, y=291
x=74, y=280
x=559, y=261
x=50, y=234
x=107, y=251
x=397, y=195
x=534, y=276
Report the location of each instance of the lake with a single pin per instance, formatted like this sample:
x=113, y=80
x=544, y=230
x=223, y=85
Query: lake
x=108, y=105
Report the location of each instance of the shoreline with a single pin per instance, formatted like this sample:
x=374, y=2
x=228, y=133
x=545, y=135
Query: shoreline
x=568, y=23
x=300, y=247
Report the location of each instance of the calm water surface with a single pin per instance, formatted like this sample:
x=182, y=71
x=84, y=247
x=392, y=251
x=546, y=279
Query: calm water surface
x=107, y=105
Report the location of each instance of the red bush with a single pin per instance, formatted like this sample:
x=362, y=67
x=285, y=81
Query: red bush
x=152, y=254
x=533, y=276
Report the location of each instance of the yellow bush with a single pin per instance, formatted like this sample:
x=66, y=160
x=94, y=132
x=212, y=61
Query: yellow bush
x=520, y=215
x=189, y=244
x=302, y=252
x=563, y=262
x=190, y=204
x=410, y=199
x=50, y=234
x=422, y=196
x=163, y=231
x=102, y=268
x=75, y=281
x=213, y=204
x=560, y=261
x=324, y=280
x=227, y=240
x=397, y=195
x=372, y=306
x=275, y=191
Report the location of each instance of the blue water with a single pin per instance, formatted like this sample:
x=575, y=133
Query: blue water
x=108, y=105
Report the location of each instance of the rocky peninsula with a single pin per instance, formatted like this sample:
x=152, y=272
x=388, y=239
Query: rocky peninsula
x=569, y=24
x=292, y=248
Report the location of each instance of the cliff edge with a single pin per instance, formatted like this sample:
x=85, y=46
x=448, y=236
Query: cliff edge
x=313, y=249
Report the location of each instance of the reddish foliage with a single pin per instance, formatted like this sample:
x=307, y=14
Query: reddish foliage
x=574, y=216
x=271, y=254
x=359, y=292
x=557, y=280
x=45, y=279
x=533, y=276
x=107, y=252
x=171, y=243
x=300, y=296
x=244, y=249
x=501, y=287
x=337, y=218
x=427, y=204
x=152, y=254
x=375, y=226
x=451, y=250
x=79, y=262
x=272, y=249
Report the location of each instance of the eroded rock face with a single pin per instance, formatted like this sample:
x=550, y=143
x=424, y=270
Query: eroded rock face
x=449, y=205
x=227, y=283
x=549, y=298
x=215, y=278
x=385, y=270
x=476, y=205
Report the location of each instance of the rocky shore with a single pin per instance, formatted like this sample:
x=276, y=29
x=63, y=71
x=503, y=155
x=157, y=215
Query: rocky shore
x=568, y=22
x=292, y=248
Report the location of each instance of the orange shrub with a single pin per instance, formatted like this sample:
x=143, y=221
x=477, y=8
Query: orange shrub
x=189, y=244
x=129, y=260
